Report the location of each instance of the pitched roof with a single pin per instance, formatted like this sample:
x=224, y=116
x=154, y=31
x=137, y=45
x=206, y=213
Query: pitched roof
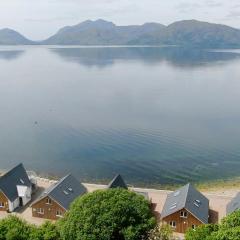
x=64, y=192
x=189, y=198
x=13, y=178
x=117, y=182
x=234, y=204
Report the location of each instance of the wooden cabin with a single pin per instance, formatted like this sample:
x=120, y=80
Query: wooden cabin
x=56, y=200
x=185, y=208
x=15, y=189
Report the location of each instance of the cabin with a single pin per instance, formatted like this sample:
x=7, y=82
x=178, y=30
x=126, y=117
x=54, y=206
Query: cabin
x=56, y=200
x=185, y=208
x=234, y=204
x=15, y=189
x=117, y=182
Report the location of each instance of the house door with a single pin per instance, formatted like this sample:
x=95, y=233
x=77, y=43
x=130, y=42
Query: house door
x=20, y=202
x=184, y=225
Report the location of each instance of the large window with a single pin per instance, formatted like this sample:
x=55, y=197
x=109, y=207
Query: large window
x=183, y=214
x=59, y=213
x=2, y=204
x=173, y=224
x=40, y=210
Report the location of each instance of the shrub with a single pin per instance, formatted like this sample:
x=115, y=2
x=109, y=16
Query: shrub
x=114, y=214
x=202, y=232
x=14, y=228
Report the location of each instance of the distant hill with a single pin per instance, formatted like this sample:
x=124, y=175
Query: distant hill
x=100, y=32
x=11, y=37
x=194, y=33
x=188, y=32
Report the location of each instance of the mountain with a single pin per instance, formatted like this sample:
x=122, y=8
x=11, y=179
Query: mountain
x=11, y=37
x=186, y=33
x=195, y=33
x=101, y=32
x=190, y=33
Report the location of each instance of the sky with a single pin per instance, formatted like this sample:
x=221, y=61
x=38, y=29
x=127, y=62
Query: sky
x=39, y=19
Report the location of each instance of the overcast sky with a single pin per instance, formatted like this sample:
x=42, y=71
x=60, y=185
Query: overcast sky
x=38, y=19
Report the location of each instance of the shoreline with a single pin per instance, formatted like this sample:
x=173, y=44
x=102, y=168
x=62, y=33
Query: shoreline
x=203, y=186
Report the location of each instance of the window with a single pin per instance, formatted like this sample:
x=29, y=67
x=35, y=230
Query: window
x=194, y=227
x=40, y=210
x=49, y=201
x=22, y=182
x=173, y=224
x=59, y=213
x=2, y=204
x=183, y=214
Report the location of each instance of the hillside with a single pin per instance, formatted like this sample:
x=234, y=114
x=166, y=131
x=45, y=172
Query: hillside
x=101, y=32
x=194, y=33
x=11, y=37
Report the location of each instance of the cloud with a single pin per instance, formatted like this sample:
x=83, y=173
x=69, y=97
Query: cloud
x=234, y=14
x=187, y=6
x=213, y=3
x=54, y=19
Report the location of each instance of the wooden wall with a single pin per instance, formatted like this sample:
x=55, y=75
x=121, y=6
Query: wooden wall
x=182, y=224
x=4, y=200
x=50, y=210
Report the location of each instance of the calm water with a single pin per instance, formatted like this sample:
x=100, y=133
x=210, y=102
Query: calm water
x=155, y=115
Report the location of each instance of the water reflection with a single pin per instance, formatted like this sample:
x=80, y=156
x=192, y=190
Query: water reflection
x=181, y=57
x=10, y=55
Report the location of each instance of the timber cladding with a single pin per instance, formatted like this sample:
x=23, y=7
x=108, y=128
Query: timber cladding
x=182, y=223
x=47, y=208
x=3, y=202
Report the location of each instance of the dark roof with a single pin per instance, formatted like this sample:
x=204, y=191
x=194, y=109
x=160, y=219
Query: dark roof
x=187, y=198
x=234, y=204
x=10, y=180
x=65, y=191
x=117, y=182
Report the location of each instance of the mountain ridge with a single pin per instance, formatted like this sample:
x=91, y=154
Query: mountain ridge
x=192, y=33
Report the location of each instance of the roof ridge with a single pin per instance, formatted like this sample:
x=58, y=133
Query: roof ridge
x=187, y=192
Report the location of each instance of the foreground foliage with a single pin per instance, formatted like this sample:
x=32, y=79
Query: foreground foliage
x=161, y=232
x=229, y=229
x=14, y=228
x=115, y=214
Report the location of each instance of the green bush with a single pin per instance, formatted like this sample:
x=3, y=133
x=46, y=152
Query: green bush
x=14, y=228
x=202, y=232
x=114, y=214
x=47, y=231
x=229, y=229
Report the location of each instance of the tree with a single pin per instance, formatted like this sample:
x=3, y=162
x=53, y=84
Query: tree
x=47, y=231
x=161, y=232
x=14, y=228
x=114, y=214
x=231, y=221
x=227, y=234
x=202, y=232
